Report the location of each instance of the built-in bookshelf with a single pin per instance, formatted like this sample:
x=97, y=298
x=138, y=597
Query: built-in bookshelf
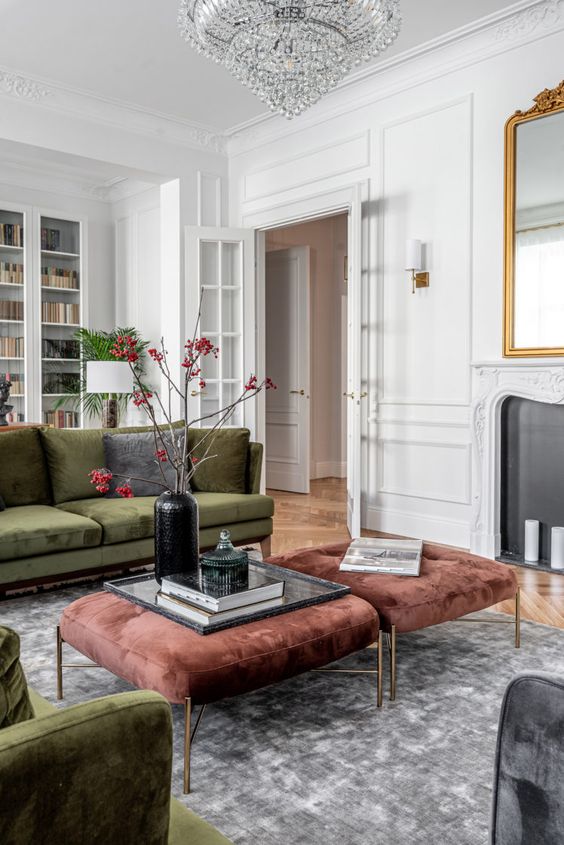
x=41, y=306
x=13, y=309
x=61, y=314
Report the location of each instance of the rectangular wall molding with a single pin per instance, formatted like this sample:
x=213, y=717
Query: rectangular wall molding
x=426, y=469
x=306, y=168
x=209, y=199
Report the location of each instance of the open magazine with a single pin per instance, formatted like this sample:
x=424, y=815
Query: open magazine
x=375, y=554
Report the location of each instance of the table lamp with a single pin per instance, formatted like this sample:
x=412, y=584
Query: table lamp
x=111, y=378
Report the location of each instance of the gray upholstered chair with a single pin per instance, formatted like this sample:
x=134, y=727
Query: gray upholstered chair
x=528, y=789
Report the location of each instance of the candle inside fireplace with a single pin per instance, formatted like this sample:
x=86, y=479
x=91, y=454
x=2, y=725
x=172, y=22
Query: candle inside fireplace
x=532, y=540
x=557, y=548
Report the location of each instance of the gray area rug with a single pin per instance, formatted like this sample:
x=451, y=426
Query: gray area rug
x=312, y=760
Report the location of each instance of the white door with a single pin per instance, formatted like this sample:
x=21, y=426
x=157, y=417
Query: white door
x=355, y=395
x=220, y=265
x=288, y=364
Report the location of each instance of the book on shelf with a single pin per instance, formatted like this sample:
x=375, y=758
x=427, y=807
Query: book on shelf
x=50, y=239
x=11, y=234
x=377, y=555
x=13, y=417
x=11, y=347
x=17, y=380
x=11, y=309
x=11, y=274
x=60, y=348
x=58, y=277
x=206, y=617
x=200, y=591
x=62, y=419
x=60, y=312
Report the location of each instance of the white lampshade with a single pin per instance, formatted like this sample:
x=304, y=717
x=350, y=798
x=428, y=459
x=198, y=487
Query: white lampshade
x=413, y=255
x=108, y=377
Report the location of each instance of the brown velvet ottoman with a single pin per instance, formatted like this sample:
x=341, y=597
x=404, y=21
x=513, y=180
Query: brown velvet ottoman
x=155, y=653
x=451, y=584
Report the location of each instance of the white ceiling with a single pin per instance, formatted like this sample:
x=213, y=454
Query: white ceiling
x=130, y=50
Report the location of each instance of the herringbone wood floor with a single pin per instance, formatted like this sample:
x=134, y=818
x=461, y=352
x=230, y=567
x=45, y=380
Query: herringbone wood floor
x=320, y=517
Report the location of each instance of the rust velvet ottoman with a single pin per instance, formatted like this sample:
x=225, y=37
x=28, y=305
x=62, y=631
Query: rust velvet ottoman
x=156, y=653
x=452, y=583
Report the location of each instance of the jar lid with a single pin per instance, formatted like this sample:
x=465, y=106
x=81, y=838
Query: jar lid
x=225, y=554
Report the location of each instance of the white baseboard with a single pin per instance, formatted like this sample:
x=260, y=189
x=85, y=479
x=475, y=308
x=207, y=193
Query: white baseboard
x=423, y=527
x=328, y=469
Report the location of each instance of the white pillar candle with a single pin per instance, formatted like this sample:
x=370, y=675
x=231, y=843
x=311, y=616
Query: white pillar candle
x=413, y=255
x=532, y=540
x=557, y=548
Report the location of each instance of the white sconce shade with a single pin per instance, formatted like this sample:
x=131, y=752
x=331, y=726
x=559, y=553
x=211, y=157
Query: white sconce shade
x=108, y=377
x=413, y=259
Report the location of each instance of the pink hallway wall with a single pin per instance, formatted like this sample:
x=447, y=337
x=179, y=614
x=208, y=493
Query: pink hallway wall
x=327, y=239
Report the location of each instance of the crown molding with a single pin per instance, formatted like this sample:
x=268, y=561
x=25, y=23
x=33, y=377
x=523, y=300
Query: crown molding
x=102, y=110
x=58, y=179
x=508, y=29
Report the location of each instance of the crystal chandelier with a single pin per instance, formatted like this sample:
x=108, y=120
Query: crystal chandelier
x=289, y=52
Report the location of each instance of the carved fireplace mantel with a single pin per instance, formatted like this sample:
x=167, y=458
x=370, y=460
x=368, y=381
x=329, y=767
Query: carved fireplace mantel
x=494, y=382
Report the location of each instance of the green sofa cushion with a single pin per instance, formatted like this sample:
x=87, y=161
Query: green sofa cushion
x=15, y=705
x=24, y=479
x=226, y=473
x=133, y=519
x=186, y=827
x=120, y=519
x=71, y=454
x=39, y=529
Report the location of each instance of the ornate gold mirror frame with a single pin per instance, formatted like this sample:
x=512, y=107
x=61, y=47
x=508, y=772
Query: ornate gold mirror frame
x=547, y=102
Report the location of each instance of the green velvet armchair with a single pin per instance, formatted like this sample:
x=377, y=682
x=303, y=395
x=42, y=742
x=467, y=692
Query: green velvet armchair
x=97, y=773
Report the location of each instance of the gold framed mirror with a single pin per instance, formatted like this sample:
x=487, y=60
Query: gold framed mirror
x=534, y=228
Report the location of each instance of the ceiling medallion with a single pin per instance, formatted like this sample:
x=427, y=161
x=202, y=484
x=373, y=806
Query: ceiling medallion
x=289, y=52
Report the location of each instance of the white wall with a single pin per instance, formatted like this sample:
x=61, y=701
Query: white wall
x=327, y=239
x=427, y=136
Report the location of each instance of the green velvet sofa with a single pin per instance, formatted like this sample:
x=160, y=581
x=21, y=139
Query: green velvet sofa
x=55, y=785
x=56, y=526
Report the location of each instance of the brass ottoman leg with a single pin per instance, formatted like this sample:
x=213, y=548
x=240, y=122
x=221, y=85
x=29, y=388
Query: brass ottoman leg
x=518, y=618
x=379, y=682
x=187, y=718
x=59, y=665
x=393, y=646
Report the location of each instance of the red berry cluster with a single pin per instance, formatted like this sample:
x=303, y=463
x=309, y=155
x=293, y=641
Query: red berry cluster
x=125, y=491
x=161, y=455
x=155, y=355
x=125, y=348
x=101, y=478
x=140, y=398
x=196, y=348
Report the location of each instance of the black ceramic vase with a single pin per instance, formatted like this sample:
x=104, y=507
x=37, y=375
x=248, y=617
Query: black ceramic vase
x=176, y=534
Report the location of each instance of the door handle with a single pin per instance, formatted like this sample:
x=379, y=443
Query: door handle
x=349, y=395
x=299, y=392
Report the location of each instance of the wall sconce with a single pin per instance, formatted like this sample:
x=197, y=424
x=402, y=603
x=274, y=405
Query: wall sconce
x=413, y=264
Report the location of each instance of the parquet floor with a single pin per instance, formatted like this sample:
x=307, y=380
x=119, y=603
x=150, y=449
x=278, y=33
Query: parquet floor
x=320, y=517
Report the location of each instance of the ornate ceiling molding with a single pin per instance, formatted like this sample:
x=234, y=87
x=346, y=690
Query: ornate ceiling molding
x=22, y=87
x=543, y=15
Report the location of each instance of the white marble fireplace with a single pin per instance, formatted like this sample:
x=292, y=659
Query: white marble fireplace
x=494, y=382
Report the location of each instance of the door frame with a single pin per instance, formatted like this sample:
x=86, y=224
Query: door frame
x=348, y=199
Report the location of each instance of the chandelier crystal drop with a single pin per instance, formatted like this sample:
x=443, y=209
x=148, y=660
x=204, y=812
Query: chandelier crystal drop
x=289, y=52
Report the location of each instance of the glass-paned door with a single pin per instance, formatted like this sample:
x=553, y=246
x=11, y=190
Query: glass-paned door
x=61, y=315
x=14, y=296
x=217, y=262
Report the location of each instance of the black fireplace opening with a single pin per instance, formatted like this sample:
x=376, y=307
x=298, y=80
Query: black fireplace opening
x=532, y=474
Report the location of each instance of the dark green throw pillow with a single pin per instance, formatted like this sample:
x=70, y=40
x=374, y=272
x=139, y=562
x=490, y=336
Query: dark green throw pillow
x=24, y=479
x=225, y=473
x=15, y=705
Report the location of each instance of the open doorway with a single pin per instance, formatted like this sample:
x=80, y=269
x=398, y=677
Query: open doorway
x=306, y=355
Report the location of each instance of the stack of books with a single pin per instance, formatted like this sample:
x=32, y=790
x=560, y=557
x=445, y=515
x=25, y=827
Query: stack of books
x=194, y=597
x=390, y=557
